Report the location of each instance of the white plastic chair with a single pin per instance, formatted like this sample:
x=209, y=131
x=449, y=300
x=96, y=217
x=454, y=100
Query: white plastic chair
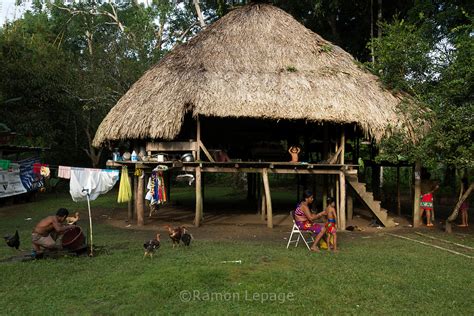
x=299, y=235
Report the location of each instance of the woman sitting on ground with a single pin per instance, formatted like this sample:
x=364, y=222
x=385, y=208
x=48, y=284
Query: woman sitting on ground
x=304, y=218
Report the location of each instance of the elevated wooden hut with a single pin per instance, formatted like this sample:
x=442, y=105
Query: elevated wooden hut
x=253, y=76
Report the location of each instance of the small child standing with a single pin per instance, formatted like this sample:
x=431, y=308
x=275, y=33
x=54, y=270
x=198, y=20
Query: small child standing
x=426, y=206
x=331, y=223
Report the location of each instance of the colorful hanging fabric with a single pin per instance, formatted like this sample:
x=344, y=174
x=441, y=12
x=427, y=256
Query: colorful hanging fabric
x=125, y=190
x=31, y=181
x=156, y=188
x=45, y=172
x=138, y=172
x=64, y=172
x=4, y=164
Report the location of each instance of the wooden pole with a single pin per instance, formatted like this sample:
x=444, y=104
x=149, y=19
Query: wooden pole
x=325, y=157
x=263, y=205
x=259, y=193
x=130, y=202
x=141, y=200
x=350, y=207
x=198, y=216
x=417, y=193
x=198, y=138
x=399, y=203
x=342, y=218
x=343, y=142
x=135, y=191
x=338, y=200
x=203, y=194
x=268, y=199
x=199, y=13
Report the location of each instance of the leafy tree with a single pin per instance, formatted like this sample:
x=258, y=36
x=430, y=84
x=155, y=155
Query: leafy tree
x=66, y=66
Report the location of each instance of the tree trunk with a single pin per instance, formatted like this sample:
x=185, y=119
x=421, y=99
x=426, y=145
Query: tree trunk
x=92, y=152
x=455, y=212
x=379, y=19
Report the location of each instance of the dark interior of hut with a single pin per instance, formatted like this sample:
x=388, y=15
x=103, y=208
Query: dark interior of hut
x=268, y=140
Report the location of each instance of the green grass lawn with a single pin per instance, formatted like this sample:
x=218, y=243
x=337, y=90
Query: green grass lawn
x=375, y=274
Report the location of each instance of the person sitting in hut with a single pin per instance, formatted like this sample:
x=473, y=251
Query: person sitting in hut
x=45, y=232
x=294, y=152
x=304, y=219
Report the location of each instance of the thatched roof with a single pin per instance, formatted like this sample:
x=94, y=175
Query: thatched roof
x=257, y=62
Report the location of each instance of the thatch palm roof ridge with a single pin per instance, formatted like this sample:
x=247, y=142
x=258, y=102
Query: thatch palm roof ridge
x=255, y=62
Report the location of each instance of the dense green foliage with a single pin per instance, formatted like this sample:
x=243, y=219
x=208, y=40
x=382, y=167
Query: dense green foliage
x=63, y=68
x=430, y=54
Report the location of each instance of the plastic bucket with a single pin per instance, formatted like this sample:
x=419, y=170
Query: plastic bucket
x=73, y=239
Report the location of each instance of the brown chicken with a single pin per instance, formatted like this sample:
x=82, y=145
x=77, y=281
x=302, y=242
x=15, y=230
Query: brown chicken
x=175, y=234
x=71, y=220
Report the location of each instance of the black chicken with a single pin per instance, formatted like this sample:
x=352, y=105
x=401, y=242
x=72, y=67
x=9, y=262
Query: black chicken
x=13, y=241
x=186, y=237
x=151, y=245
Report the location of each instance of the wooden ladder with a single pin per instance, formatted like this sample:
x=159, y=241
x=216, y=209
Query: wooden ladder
x=368, y=199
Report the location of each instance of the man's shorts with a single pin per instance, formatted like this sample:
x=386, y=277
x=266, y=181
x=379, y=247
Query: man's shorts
x=44, y=241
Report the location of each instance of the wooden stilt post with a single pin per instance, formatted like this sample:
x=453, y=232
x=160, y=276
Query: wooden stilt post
x=198, y=216
x=399, y=204
x=417, y=193
x=141, y=200
x=268, y=199
x=338, y=199
x=350, y=207
x=130, y=202
x=343, y=142
x=203, y=195
x=135, y=192
x=198, y=138
x=342, y=204
x=325, y=157
x=263, y=204
x=259, y=193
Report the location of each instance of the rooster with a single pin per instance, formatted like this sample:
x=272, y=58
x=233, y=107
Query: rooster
x=151, y=245
x=71, y=220
x=175, y=234
x=186, y=237
x=13, y=241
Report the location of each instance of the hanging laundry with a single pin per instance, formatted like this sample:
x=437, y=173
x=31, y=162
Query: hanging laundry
x=45, y=172
x=4, y=164
x=29, y=179
x=94, y=181
x=10, y=181
x=156, y=188
x=138, y=172
x=125, y=190
x=64, y=172
x=37, y=167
